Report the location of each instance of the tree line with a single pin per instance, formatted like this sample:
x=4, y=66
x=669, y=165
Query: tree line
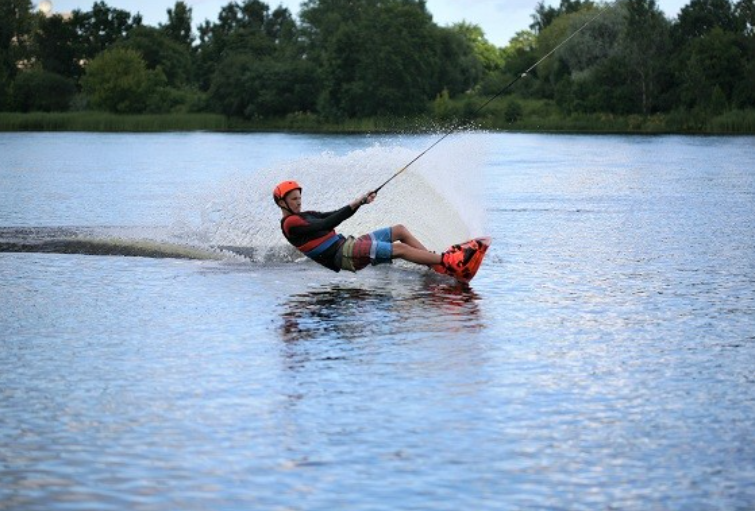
x=634, y=60
x=346, y=59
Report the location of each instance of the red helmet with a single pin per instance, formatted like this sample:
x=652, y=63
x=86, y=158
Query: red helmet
x=283, y=189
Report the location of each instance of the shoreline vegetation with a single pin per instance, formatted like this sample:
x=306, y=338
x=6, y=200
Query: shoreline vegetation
x=536, y=118
x=365, y=66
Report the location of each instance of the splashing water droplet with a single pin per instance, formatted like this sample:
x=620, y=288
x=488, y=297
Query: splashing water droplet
x=437, y=198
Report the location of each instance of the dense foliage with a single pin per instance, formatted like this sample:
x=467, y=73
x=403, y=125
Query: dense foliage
x=374, y=58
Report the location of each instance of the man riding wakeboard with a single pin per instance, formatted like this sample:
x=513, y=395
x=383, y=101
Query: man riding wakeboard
x=313, y=233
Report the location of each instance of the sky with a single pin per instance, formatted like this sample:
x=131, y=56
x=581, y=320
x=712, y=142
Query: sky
x=499, y=19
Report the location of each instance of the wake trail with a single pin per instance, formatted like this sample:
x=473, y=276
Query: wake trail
x=438, y=198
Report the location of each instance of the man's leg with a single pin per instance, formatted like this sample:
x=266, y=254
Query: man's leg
x=415, y=255
x=402, y=234
x=409, y=248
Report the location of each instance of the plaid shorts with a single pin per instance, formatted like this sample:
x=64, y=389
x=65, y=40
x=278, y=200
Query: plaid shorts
x=373, y=248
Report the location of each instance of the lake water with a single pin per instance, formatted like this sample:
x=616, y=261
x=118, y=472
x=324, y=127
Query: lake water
x=602, y=359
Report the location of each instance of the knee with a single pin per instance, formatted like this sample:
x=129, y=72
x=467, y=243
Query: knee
x=399, y=231
x=399, y=250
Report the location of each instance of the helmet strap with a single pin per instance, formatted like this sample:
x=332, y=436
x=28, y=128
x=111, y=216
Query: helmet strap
x=286, y=205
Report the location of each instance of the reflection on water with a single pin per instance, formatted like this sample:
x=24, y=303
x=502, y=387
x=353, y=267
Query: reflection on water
x=356, y=313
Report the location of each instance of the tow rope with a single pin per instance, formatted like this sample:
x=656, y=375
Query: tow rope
x=454, y=129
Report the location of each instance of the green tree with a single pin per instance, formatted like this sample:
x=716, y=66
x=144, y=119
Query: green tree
x=744, y=10
x=246, y=86
x=102, y=27
x=55, y=42
x=488, y=55
x=604, y=90
x=344, y=89
x=517, y=56
x=246, y=28
x=644, y=47
x=160, y=51
x=578, y=60
x=442, y=106
x=16, y=24
x=709, y=62
x=613, y=64
x=744, y=92
x=545, y=15
x=459, y=69
x=5, y=88
x=377, y=57
x=590, y=47
x=699, y=17
x=117, y=80
x=718, y=103
x=178, y=27
x=513, y=111
x=39, y=90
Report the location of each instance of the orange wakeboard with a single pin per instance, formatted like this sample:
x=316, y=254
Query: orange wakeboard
x=465, y=259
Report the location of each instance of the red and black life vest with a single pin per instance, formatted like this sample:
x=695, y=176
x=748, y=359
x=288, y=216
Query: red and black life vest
x=313, y=233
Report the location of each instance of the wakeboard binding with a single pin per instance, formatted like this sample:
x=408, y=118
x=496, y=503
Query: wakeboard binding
x=461, y=261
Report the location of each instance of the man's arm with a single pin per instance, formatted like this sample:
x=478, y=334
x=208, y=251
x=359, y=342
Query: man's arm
x=298, y=226
x=331, y=219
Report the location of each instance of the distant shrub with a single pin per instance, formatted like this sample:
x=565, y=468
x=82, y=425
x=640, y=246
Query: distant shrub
x=735, y=121
x=718, y=104
x=178, y=101
x=514, y=111
x=108, y=122
x=42, y=91
x=118, y=81
x=469, y=109
x=442, y=106
x=689, y=121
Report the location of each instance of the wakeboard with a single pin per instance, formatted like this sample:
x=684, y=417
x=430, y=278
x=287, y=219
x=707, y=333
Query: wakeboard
x=465, y=259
